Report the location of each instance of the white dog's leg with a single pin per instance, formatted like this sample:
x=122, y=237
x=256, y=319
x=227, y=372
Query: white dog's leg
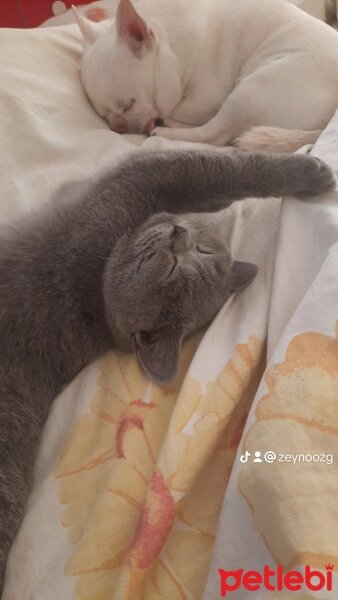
x=265, y=99
x=229, y=122
x=176, y=125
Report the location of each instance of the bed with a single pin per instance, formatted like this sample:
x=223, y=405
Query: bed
x=143, y=492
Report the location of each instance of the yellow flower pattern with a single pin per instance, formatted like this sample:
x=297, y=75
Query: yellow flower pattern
x=142, y=478
x=295, y=505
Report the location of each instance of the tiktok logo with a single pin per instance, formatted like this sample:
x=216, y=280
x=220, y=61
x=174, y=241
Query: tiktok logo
x=245, y=457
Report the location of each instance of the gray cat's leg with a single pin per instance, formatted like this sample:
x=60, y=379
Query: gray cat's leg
x=20, y=431
x=14, y=490
x=193, y=181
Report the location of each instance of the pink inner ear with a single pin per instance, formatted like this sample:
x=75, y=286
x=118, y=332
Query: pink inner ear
x=129, y=25
x=136, y=32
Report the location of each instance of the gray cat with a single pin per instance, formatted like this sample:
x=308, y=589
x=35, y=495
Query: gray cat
x=124, y=266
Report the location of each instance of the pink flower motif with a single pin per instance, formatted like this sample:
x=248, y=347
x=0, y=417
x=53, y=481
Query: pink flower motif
x=154, y=525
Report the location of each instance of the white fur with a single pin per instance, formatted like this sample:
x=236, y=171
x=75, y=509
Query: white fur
x=267, y=139
x=260, y=72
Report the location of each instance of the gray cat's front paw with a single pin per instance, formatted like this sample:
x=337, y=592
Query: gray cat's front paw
x=312, y=176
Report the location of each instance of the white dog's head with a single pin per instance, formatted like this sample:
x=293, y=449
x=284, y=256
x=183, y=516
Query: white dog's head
x=129, y=74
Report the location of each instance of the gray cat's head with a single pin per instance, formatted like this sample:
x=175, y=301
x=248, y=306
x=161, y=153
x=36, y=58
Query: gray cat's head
x=164, y=282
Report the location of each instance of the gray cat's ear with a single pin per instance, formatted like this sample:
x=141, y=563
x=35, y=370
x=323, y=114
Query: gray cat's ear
x=242, y=273
x=159, y=354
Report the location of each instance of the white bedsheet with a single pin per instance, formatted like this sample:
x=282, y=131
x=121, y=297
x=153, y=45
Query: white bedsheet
x=71, y=544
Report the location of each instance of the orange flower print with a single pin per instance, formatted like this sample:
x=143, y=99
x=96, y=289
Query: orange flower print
x=154, y=524
x=142, y=477
x=294, y=503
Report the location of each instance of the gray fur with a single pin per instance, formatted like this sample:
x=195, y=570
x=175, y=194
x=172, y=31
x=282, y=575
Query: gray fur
x=101, y=272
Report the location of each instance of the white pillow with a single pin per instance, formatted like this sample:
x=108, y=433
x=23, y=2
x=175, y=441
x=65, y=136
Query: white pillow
x=316, y=8
x=49, y=131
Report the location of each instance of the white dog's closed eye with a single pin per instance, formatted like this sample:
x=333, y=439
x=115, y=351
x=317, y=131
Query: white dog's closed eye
x=126, y=106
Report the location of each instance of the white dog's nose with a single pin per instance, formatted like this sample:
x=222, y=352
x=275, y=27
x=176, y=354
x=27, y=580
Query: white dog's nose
x=118, y=124
x=150, y=126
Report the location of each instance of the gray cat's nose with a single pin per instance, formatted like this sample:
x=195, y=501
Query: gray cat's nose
x=177, y=230
x=179, y=239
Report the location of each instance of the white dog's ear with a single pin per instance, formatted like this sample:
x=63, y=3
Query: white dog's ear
x=132, y=29
x=90, y=30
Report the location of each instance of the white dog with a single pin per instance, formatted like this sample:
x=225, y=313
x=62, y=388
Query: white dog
x=261, y=74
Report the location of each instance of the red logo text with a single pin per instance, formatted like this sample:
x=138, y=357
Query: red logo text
x=275, y=580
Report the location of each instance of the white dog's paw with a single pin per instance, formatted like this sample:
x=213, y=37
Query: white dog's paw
x=165, y=132
x=195, y=135
x=156, y=143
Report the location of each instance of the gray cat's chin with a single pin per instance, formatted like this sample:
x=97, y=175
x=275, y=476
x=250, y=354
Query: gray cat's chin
x=121, y=341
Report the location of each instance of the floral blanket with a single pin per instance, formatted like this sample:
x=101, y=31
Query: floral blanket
x=149, y=493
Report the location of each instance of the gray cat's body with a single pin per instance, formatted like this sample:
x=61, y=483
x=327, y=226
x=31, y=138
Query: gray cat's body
x=114, y=269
